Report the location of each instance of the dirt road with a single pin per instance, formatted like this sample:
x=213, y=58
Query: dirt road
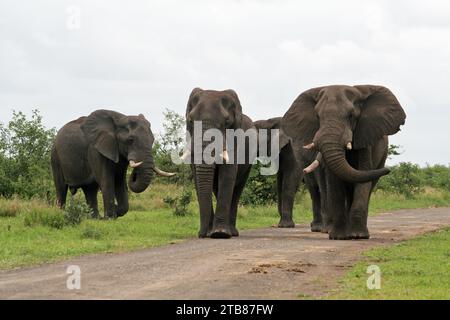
x=260, y=264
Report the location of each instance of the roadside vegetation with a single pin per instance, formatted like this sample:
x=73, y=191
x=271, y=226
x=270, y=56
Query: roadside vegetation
x=414, y=269
x=33, y=230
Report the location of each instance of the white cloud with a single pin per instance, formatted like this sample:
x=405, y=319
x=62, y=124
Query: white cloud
x=143, y=56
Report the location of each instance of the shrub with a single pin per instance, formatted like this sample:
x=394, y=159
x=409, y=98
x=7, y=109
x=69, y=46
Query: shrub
x=76, y=211
x=404, y=179
x=9, y=208
x=49, y=217
x=25, y=147
x=437, y=176
x=180, y=204
x=259, y=190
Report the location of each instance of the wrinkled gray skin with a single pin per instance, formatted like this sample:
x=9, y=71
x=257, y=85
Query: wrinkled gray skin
x=289, y=173
x=220, y=110
x=93, y=153
x=331, y=117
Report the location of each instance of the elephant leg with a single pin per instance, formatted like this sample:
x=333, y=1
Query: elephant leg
x=291, y=177
x=60, y=186
x=61, y=195
x=336, y=204
x=290, y=184
x=239, y=188
x=90, y=193
x=204, y=181
x=327, y=219
x=233, y=213
x=121, y=194
x=317, y=223
x=108, y=191
x=280, y=192
x=359, y=211
x=226, y=183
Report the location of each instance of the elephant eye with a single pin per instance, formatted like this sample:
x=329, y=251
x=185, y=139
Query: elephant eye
x=130, y=140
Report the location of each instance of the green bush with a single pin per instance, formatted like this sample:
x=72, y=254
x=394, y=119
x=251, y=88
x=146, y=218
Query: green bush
x=259, y=190
x=180, y=204
x=25, y=148
x=405, y=179
x=437, y=176
x=76, y=211
x=49, y=217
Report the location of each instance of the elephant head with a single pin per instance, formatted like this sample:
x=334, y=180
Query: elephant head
x=334, y=119
x=219, y=110
x=118, y=137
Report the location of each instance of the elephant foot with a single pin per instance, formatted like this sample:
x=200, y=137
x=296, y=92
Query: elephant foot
x=95, y=215
x=221, y=233
x=203, y=233
x=316, y=226
x=286, y=223
x=338, y=234
x=359, y=233
x=327, y=228
x=234, y=232
x=121, y=213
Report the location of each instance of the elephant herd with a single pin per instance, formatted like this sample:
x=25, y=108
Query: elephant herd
x=334, y=138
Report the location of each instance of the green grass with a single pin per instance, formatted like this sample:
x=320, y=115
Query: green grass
x=414, y=269
x=150, y=223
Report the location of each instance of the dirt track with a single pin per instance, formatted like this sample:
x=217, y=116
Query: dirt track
x=260, y=264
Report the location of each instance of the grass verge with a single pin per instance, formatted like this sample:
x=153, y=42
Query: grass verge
x=414, y=269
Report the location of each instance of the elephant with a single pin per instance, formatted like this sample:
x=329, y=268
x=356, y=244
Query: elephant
x=94, y=153
x=289, y=174
x=220, y=110
x=345, y=128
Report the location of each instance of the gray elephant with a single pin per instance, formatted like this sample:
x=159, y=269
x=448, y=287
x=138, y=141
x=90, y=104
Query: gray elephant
x=347, y=126
x=94, y=153
x=289, y=174
x=220, y=110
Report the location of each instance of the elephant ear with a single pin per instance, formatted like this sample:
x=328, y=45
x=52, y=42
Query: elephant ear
x=273, y=123
x=193, y=99
x=301, y=122
x=100, y=131
x=381, y=115
x=235, y=108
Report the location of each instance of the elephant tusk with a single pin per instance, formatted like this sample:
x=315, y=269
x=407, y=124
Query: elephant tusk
x=309, y=146
x=349, y=146
x=163, y=173
x=134, y=164
x=314, y=165
x=225, y=156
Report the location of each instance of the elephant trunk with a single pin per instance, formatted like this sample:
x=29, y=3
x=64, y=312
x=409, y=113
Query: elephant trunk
x=334, y=155
x=142, y=175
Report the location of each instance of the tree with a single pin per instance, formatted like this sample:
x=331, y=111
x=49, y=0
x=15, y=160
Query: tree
x=393, y=150
x=171, y=139
x=25, y=150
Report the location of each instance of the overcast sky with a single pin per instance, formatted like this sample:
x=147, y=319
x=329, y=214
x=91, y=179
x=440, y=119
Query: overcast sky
x=144, y=56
